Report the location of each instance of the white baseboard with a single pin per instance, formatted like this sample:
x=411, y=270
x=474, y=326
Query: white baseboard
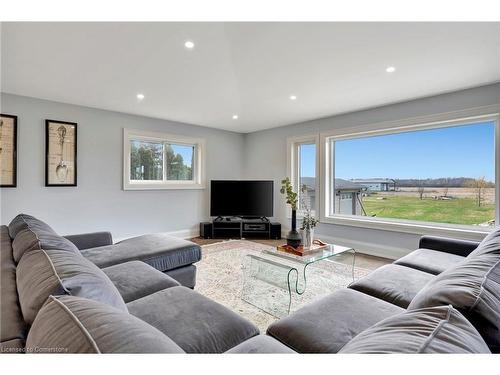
x=185, y=233
x=384, y=251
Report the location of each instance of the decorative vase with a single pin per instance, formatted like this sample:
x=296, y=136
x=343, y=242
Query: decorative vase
x=307, y=238
x=293, y=237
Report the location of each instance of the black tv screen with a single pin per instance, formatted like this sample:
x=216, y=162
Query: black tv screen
x=241, y=198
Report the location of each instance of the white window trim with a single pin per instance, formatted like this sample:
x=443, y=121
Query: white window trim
x=293, y=166
x=198, y=181
x=480, y=114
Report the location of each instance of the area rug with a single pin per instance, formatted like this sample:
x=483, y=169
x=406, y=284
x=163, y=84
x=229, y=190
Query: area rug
x=220, y=277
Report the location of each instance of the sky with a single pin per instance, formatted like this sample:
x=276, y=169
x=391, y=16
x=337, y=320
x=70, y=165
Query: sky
x=186, y=152
x=459, y=151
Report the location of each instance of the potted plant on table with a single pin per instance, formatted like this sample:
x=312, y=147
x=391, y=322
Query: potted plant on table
x=293, y=237
x=309, y=222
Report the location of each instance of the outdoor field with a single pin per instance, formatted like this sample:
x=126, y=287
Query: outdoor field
x=404, y=205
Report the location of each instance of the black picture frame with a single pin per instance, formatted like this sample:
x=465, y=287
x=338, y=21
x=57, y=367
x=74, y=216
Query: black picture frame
x=47, y=153
x=14, y=154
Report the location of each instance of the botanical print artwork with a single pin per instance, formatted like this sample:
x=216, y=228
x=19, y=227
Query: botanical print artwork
x=8, y=128
x=61, y=153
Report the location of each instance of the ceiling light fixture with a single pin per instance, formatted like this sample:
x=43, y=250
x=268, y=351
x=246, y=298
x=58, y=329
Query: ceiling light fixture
x=140, y=97
x=189, y=44
x=235, y=117
x=390, y=69
x=293, y=97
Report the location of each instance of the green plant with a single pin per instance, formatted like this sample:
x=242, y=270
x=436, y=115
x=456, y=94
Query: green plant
x=291, y=196
x=308, y=219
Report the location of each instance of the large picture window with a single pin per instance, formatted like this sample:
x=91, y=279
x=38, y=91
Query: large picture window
x=162, y=161
x=444, y=174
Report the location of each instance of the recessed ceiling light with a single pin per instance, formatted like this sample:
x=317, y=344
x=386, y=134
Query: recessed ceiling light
x=140, y=96
x=189, y=44
x=390, y=69
x=235, y=117
x=293, y=97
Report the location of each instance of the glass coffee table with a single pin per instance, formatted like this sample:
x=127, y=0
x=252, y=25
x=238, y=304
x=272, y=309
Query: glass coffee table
x=273, y=278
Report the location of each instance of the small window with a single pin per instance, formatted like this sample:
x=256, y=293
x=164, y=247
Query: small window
x=162, y=161
x=307, y=175
x=303, y=171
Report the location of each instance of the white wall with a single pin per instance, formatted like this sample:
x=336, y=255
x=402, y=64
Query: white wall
x=266, y=158
x=98, y=202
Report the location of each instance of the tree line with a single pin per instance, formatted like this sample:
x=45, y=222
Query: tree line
x=450, y=182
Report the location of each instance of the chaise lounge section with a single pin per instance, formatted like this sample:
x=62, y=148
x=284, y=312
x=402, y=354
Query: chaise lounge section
x=174, y=256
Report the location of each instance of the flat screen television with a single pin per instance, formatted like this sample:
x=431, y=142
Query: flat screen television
x=241, y=198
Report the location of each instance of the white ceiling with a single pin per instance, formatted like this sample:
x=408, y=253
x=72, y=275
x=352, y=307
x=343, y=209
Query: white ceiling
x=249, y=69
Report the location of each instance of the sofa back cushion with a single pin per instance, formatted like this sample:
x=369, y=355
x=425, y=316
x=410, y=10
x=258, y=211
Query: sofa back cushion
x=23, y=221
x=29, y=233
x=431, y=330
x=32, y=239
x=42, y=273
x=68, y=324
x=489, y=246
x=472, y=287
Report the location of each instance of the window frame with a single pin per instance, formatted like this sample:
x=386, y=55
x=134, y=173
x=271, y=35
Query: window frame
x=293, y=168
x=198, y=181
x=477, y=115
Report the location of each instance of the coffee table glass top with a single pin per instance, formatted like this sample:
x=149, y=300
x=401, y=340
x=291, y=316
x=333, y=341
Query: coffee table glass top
x=330, y=251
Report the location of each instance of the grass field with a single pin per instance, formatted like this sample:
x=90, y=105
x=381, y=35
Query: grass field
x=455, y=211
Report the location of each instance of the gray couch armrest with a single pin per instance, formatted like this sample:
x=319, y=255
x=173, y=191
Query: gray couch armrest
x=90, y=240
x=448, y=245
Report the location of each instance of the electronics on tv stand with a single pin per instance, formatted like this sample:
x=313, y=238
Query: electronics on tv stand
x=237, y=227
x=239, y=218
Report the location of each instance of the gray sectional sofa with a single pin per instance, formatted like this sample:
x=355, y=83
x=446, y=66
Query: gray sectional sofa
x=81, y=294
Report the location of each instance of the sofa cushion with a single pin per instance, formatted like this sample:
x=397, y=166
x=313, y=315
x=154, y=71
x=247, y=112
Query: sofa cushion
x=432, y=330
x=430, y=261
x=42, y=273
x=68, y=324
x=137, y=279
x=195, y=323
x=185, y=275
x=472, y=287
x=261, y=345
x=490, y=245
x=327, y=324
x=161, y=251
x=393, y=283
x=12, y=326
x=32, y=239
x=23, y=221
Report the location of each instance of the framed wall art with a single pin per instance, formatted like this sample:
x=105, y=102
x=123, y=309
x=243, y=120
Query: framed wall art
x=60, y=153
x=8, y=150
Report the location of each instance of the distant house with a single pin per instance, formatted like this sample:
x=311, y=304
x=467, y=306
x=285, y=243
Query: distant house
x=347, y=195
x=376, y=184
